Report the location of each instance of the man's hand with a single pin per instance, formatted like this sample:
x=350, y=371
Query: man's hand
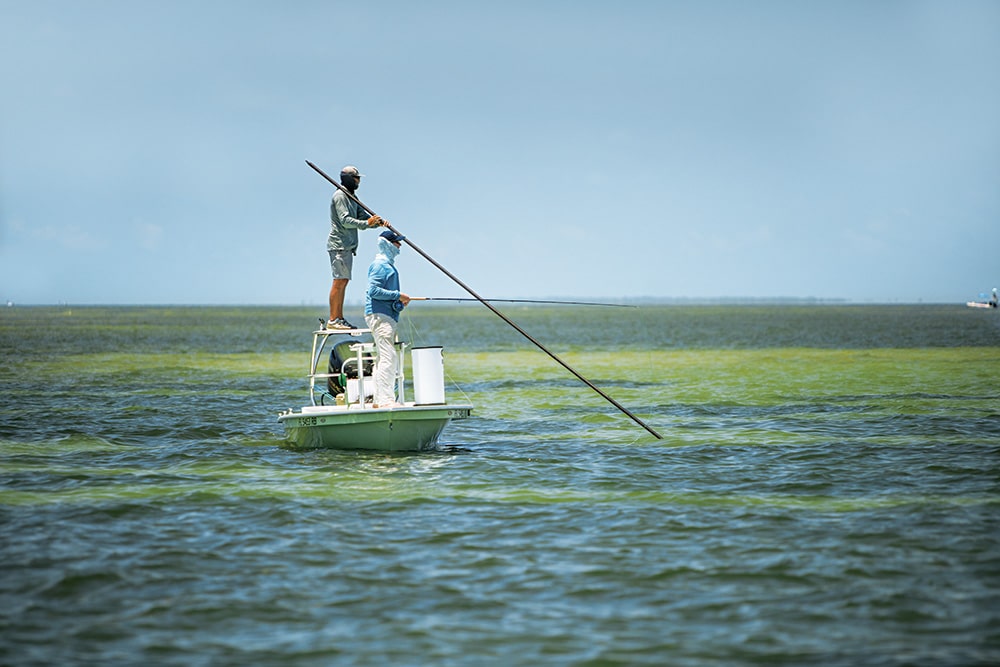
x=376, y=221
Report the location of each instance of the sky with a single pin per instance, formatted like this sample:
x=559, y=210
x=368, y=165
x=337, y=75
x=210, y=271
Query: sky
x=155, y=152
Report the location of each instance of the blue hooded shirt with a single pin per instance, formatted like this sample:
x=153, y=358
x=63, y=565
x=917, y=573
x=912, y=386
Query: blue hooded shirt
x=382, y=296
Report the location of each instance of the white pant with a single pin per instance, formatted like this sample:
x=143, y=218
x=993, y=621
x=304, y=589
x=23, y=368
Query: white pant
x=384, y=332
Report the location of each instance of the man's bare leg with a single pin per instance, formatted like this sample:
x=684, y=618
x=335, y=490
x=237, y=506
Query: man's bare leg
x=337, y=292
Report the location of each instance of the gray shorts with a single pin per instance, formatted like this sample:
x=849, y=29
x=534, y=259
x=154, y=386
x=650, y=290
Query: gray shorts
x=341, y=263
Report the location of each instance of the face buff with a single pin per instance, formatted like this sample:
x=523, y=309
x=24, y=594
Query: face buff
x=388, y=249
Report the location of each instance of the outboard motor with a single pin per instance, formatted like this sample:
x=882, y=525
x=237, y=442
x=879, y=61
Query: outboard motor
x=341, y=352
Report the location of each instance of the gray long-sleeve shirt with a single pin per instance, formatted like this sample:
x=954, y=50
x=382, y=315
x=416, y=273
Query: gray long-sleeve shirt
x=346, y=218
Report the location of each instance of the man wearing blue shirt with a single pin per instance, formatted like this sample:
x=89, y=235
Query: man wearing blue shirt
x=383, y=303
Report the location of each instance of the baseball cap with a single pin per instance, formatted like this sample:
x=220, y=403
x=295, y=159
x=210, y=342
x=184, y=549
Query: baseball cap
x=392, y=237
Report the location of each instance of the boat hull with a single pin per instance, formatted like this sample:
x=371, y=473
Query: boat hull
x=411, y=428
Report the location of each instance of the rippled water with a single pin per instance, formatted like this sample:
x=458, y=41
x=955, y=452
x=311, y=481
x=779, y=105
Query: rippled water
x=827, y=492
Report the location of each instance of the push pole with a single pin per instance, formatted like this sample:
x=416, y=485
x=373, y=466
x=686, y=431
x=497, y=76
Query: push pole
x=496, y=312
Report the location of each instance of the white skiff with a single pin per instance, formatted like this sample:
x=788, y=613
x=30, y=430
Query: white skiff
x=340, y=414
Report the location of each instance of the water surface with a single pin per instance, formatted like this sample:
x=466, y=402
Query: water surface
x=827, y=492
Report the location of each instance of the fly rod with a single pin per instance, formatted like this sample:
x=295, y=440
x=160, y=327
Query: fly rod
x=565, y=303
x=486, y=303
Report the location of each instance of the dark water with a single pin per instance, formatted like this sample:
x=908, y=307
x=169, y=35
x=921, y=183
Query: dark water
x=827, y=492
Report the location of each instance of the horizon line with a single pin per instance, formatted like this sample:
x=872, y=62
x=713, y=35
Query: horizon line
x=649, y=301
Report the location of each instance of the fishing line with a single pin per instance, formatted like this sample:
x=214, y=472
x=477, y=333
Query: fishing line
x=416, y=339
x=565, y=303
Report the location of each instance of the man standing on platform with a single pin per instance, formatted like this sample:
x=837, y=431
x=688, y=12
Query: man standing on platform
x=346, y=218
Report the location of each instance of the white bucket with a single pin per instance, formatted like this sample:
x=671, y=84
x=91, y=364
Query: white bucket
x=428, y=375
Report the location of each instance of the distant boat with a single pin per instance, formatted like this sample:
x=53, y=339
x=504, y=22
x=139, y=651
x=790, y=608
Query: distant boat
x=992, y=303
x=340, y=414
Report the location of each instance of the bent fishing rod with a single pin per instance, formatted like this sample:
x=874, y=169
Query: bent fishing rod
x=486, y=303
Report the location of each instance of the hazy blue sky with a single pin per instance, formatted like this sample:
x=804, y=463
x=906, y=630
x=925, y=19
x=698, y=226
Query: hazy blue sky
x=154, y=152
